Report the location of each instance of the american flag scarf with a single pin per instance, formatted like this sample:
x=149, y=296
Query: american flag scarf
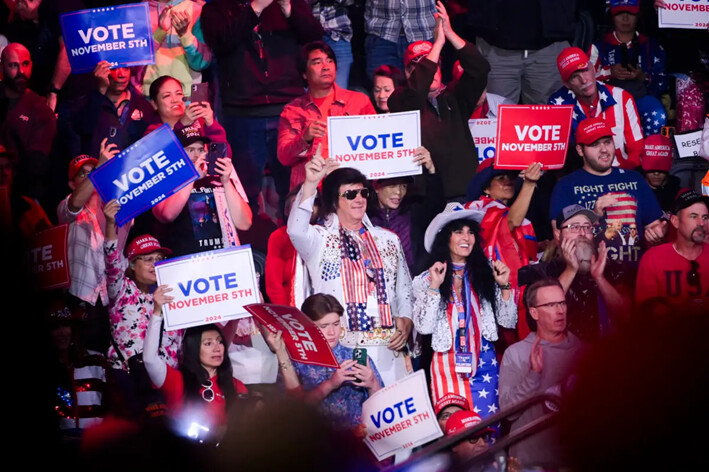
x=362, y=266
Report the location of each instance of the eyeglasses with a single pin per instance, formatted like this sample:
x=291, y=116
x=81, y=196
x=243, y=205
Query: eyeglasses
x=487, y=437
x=693, y=274
x=208, y=394
x=82, y=173
x=576, y=227
x=561, y=304
x=151, y=259
x=352, y=194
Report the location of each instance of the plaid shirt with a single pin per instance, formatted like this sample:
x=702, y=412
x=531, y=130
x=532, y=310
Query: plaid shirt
x=333, y=17
x=387, y=19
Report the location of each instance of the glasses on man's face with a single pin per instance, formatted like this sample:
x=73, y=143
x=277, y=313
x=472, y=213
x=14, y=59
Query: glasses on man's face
x=578, y=227
x=352, y=194
x=553, y=305
x=150, y=259
x=693, y=274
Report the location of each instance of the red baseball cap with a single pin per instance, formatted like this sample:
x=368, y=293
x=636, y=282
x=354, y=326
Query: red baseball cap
x=416, y=50
x=145, y=244
x=450, y=399
x=462, y=420
x=625, y=6
x=78, y=162
x=657, y=154
x=570, y=60
x=591, y=130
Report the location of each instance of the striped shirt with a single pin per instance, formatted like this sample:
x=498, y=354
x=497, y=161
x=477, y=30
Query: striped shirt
x=617, y=108
x=389, y=19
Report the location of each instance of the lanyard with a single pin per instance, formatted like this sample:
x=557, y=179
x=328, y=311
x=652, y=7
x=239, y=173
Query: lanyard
x=464, y=316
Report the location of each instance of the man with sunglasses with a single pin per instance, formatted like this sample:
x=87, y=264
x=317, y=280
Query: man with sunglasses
x=678, y=271
x=597, y=289
x=541, y=362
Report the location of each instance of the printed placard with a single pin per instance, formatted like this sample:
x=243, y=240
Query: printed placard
x=379, y=146
x=400, y=416
x=144, y=174
x=684, y=14
x=208, y=287
x=484, y=133
x=48, y=258
x=120, y=35
x=303, y=339
x=689, y=144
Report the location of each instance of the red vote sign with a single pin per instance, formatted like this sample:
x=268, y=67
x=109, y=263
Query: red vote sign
x=304, y=340
x=48, y=258
x=532, y=133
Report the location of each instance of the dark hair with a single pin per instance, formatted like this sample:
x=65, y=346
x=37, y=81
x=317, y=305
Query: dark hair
x=393, y=72
x=477, y=265
x=194, y=375
x=331, y=187
x=305, y=51
x=530, y=297
x=157, y=85
x=317, y=306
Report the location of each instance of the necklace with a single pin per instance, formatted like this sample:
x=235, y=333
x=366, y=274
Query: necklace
x=457, y=268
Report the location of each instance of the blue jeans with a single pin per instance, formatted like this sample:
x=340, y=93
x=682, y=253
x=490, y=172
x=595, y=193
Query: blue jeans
x=343, y=52
x=254, y=143
x=380, y=52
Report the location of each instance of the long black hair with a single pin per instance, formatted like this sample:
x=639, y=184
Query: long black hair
x=194, y=375
x=479, y=271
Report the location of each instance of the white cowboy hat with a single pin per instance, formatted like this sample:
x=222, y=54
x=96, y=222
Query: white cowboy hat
x=453, y=211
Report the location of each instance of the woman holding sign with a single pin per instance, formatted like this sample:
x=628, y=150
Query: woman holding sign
x=460, y=300
x=339, y=392
x=360, y=264
x=203, y=388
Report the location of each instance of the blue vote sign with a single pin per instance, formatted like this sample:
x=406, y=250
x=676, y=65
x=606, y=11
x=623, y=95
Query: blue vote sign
x=120, y=35
x=147, y=172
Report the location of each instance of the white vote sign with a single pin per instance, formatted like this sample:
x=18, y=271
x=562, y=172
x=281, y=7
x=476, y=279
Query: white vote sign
x=689, y=144
x=684, y=14
x=379, y=146
x=400, y=416
x=484, y=133
x=208, y=287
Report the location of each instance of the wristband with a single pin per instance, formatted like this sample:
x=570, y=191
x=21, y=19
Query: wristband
x=507, y=286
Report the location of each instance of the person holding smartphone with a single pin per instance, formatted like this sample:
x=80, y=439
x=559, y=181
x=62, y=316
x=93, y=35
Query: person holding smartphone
x=209, y=209
x=338, y=392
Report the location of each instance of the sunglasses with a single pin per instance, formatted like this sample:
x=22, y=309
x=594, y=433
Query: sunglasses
x=693, y=274
x=208, y=394
x=352, y=194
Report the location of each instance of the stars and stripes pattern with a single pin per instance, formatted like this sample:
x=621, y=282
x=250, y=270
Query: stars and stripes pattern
x=653, y=118
x=625, y=210
x=618, y=109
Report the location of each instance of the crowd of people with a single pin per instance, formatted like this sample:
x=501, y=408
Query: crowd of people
x=496, y=283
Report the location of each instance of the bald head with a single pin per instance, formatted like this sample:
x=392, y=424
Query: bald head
x=16, y=67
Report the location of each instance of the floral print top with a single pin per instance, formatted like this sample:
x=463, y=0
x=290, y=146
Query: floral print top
x=128, y=313
x=344, y=405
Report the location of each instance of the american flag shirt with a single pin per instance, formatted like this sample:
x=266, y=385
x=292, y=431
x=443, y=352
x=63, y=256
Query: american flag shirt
x=622, y=224
x=618, y=109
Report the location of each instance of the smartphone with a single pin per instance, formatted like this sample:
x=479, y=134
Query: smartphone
x=112, y=137
x=200, y=93
x=359, y=354
x=215, y=151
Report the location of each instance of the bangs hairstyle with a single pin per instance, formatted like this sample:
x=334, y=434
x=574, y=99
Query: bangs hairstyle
x=157, y=85
x=194, y=375
x=317, y=306
x=479, y=271
x=302, y=61
x=331, y=186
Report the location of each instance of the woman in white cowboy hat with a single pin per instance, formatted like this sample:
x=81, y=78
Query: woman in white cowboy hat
x=460, y=300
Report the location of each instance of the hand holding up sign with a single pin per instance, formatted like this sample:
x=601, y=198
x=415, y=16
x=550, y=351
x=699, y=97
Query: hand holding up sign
x=422, y=157
x=111, y=209
x=101, y=72
x=160, y=297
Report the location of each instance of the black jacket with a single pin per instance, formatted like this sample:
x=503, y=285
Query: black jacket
x=256, y=55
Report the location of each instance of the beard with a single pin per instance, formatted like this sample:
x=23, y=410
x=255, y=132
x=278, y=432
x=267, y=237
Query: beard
x=698, y=235
x=17, y=83
x=585, y=249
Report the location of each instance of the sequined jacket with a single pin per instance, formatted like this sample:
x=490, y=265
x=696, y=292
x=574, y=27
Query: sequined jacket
x=319, y=246
x=431, y=317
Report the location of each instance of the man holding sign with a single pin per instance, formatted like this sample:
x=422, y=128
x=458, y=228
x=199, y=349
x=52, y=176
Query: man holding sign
x=303, y=125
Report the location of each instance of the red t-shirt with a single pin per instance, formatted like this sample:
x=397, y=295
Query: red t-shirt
x=664, y=273
x=209, y=414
